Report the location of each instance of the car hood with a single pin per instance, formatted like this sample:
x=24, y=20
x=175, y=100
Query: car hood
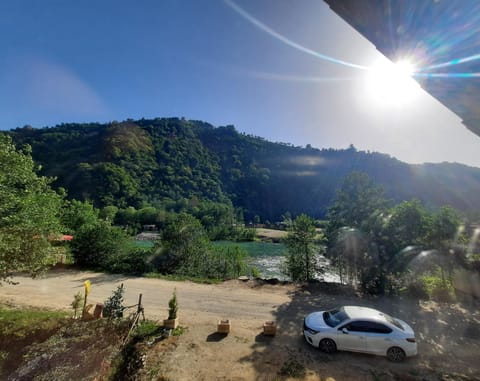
x=315, y=321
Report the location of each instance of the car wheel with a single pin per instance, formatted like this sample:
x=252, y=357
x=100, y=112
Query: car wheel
x=327, y=346
x=396, y=354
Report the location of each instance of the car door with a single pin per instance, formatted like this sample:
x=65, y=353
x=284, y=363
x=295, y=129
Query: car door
x=378, y=338
x=351, y=336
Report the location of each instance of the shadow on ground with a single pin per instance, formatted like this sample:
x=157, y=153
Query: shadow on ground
x=448, y=338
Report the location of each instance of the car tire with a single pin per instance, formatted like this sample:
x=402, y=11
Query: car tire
x=327, y=346
x=396, y=354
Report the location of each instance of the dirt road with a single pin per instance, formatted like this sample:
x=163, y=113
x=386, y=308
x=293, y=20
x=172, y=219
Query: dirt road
x=448, y=334
x=196, y=301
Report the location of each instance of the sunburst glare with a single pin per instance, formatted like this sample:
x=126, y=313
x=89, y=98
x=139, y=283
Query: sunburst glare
x=391, y=84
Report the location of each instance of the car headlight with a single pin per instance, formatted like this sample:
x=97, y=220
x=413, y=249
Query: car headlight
x=308, y=329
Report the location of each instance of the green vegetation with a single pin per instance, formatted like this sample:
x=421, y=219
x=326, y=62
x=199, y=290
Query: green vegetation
x=293, y=368
x=77, y=303
x=180, y=278
x=302, y=254
x=184, y=249
x=29, y=213
x=373, y=246
x=173, y=306
x=196, y=184
x=113, y=306
x=19, y=323
x=176, y=165
x=256, y=248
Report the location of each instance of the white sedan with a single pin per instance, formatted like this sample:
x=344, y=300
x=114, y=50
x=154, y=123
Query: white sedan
x=360, y=329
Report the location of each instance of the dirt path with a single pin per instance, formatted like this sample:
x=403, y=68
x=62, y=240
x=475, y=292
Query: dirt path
x=448, y=335
x=196, y=301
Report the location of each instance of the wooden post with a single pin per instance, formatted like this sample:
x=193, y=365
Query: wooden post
x=140, y=307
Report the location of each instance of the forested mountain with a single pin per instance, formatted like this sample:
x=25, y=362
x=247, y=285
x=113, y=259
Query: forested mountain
x=156, y=162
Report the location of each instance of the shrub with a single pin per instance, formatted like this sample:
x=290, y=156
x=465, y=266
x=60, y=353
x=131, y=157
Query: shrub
x=438, y=289
x=96, y=246
x=113, y=306
x=76, y=303
x=133, y=260
x=417, y=290
x=173, y=306
x=293, y=368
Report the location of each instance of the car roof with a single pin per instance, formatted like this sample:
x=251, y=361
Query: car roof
x=358, y=312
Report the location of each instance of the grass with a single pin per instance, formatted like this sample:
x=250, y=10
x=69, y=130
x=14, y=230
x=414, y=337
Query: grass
x=256, y=249
x=19, y=323
x=270, y=233
x=181, y=278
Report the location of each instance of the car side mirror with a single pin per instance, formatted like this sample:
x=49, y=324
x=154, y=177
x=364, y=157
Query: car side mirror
x=345, y=331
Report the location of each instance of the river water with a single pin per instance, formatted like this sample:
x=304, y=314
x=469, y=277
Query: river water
x=269, y=259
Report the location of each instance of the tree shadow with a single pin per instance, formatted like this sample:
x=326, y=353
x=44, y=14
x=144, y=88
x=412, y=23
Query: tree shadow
x=447, y=336
x=100, y=278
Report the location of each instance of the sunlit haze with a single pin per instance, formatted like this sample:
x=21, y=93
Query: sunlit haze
x=288, y=71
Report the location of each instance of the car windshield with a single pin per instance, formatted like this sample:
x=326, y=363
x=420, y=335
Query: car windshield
x=335, y=317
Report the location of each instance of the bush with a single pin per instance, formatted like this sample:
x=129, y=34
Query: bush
x=133, y=260
x=438, y=289
x=96, y=246
x=113, y=306
x=417, y=290
x=77, y=303
x=173, y=306
x=242, y=234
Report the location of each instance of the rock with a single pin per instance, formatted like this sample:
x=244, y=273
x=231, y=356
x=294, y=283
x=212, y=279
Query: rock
x=272, y=281
x=244, y=278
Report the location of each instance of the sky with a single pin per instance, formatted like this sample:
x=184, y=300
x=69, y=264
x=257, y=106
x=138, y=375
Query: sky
x=288, y=71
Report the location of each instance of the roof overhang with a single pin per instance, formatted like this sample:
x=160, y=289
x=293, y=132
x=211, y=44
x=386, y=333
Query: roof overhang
x=441, y=35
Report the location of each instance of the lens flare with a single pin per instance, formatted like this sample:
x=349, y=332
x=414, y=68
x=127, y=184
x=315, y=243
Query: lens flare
x=391, y=84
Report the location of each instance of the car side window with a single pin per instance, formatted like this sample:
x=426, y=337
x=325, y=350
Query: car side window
x=379, y=328
x=366, y=326
x=357, y=326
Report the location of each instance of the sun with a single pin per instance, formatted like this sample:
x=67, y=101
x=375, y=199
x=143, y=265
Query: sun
x=391, y=84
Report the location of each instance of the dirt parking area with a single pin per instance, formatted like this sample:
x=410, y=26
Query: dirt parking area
x=448, y=334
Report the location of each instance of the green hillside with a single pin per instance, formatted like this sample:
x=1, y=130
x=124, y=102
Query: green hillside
x=164, y=161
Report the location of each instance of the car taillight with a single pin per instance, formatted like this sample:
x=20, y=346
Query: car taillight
x=411, y=339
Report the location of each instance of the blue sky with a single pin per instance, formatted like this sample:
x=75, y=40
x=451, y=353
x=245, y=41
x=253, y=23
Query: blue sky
x=87, y=61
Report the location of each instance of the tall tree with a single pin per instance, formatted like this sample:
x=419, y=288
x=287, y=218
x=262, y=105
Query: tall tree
x=29, y=212
x=302, y=254
x=183, y=245
x=441, y=236
x=355, y=223
x=407, y=225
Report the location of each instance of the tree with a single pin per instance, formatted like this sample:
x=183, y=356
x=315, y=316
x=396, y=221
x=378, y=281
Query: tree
x=357, y=201
x=182, y=246
x=108, y=213
x=441, y=235
x=29, y=212
x=302, y=254
x=407, y=225
x=99, y=245
x=77, y=214
x=355, y=226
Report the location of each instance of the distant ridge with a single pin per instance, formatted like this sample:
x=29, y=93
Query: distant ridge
x=158, y=160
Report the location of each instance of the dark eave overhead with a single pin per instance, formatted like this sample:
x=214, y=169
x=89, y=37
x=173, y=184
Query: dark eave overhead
x=429, y=33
